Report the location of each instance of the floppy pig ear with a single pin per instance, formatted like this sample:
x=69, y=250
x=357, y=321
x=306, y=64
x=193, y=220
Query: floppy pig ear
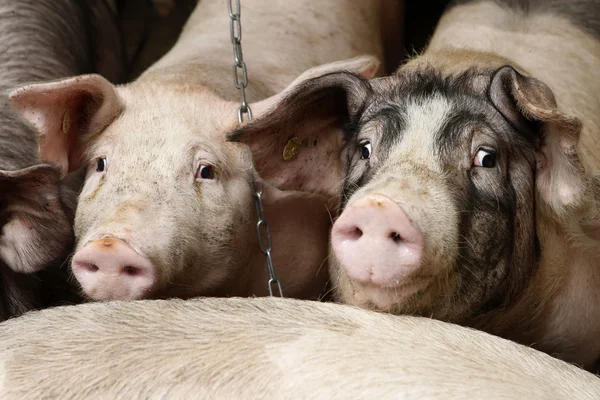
x=66, y=113
x=366, y=67
x=34, y=227
x=297, y=143
x=530, y=106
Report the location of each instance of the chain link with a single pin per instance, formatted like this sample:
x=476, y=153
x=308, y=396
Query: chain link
x=262, y=227
x=239, y=66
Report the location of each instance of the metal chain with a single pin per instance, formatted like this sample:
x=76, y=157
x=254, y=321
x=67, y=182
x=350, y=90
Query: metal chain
x=262, y=223
x=235, y=30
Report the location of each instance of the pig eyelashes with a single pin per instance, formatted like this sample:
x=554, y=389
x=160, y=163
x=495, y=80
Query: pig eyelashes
x=205, y=172
x=485, y=158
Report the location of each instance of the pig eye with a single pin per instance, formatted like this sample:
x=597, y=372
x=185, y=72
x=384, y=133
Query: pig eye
x=365, y=150
x=101, y=164
x=205, y=172
x=485, y=159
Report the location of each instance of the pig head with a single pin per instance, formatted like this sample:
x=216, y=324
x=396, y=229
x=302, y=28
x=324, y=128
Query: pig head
x=441, y=180
x=35, y=223
x=36, y=215
x=167, y=208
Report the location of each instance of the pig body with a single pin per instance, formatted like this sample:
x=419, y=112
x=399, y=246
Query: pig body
x=267, y=348
x=467, y=181
x=42, y=40
x=167, y=209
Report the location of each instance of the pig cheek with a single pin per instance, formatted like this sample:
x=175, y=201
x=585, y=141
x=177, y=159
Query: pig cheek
x=242, y=234
x=218, y=233
x=93, y=184
x=439, y=219
x=436, y=216
x=343, y=289
x=241, y=209
x=86, y=212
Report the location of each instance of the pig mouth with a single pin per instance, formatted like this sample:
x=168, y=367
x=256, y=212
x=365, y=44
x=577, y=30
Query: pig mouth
x=388, y=298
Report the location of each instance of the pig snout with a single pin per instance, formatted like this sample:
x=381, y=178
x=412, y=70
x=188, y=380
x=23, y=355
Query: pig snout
x=376, y=242
x=110, y=269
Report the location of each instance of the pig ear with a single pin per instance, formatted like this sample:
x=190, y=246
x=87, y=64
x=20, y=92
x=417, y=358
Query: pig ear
x=529, y=105
x=365, y=66
x=297, y=143
x=66, y=113
x=35, y=229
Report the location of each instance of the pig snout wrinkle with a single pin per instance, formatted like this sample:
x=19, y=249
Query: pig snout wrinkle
x=110, y=269
x=376, y=242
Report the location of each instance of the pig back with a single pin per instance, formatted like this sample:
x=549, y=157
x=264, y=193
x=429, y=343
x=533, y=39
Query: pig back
x=280, y=40
x=267, y=348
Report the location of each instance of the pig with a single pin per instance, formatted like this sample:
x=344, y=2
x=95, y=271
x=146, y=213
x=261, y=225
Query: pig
x=466, y=183
x=42, y=40
x=251, y=348
x=167, y=209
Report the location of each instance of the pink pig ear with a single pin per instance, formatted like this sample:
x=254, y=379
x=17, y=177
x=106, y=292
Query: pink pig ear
x=35, y=226
x=531, y=107
x=66, y=113
x=297, y=136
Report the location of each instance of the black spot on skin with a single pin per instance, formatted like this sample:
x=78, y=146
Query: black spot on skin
x=389, y=117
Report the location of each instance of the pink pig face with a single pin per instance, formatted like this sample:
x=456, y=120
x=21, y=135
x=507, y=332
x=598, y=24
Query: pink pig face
x=164, y=200
x=167, y=208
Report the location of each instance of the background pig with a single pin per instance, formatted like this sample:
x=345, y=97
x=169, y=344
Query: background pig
x=267, y=348
x=42, y=40
x=167, y=209
x=466, y=180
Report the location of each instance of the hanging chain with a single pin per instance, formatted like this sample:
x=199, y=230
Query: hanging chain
x=235, y=32
x=260, y=226
x=239, y=66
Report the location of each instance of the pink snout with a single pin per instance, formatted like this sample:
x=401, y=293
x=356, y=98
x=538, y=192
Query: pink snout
x=376, y=242
x=110, y=269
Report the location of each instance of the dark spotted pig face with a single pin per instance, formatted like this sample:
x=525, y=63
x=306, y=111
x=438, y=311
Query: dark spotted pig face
x=437, y=180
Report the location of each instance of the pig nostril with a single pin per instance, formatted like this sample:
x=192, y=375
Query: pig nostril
x=395, y=236
x=356, y=234
x=130, y=270
x=89, y=267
